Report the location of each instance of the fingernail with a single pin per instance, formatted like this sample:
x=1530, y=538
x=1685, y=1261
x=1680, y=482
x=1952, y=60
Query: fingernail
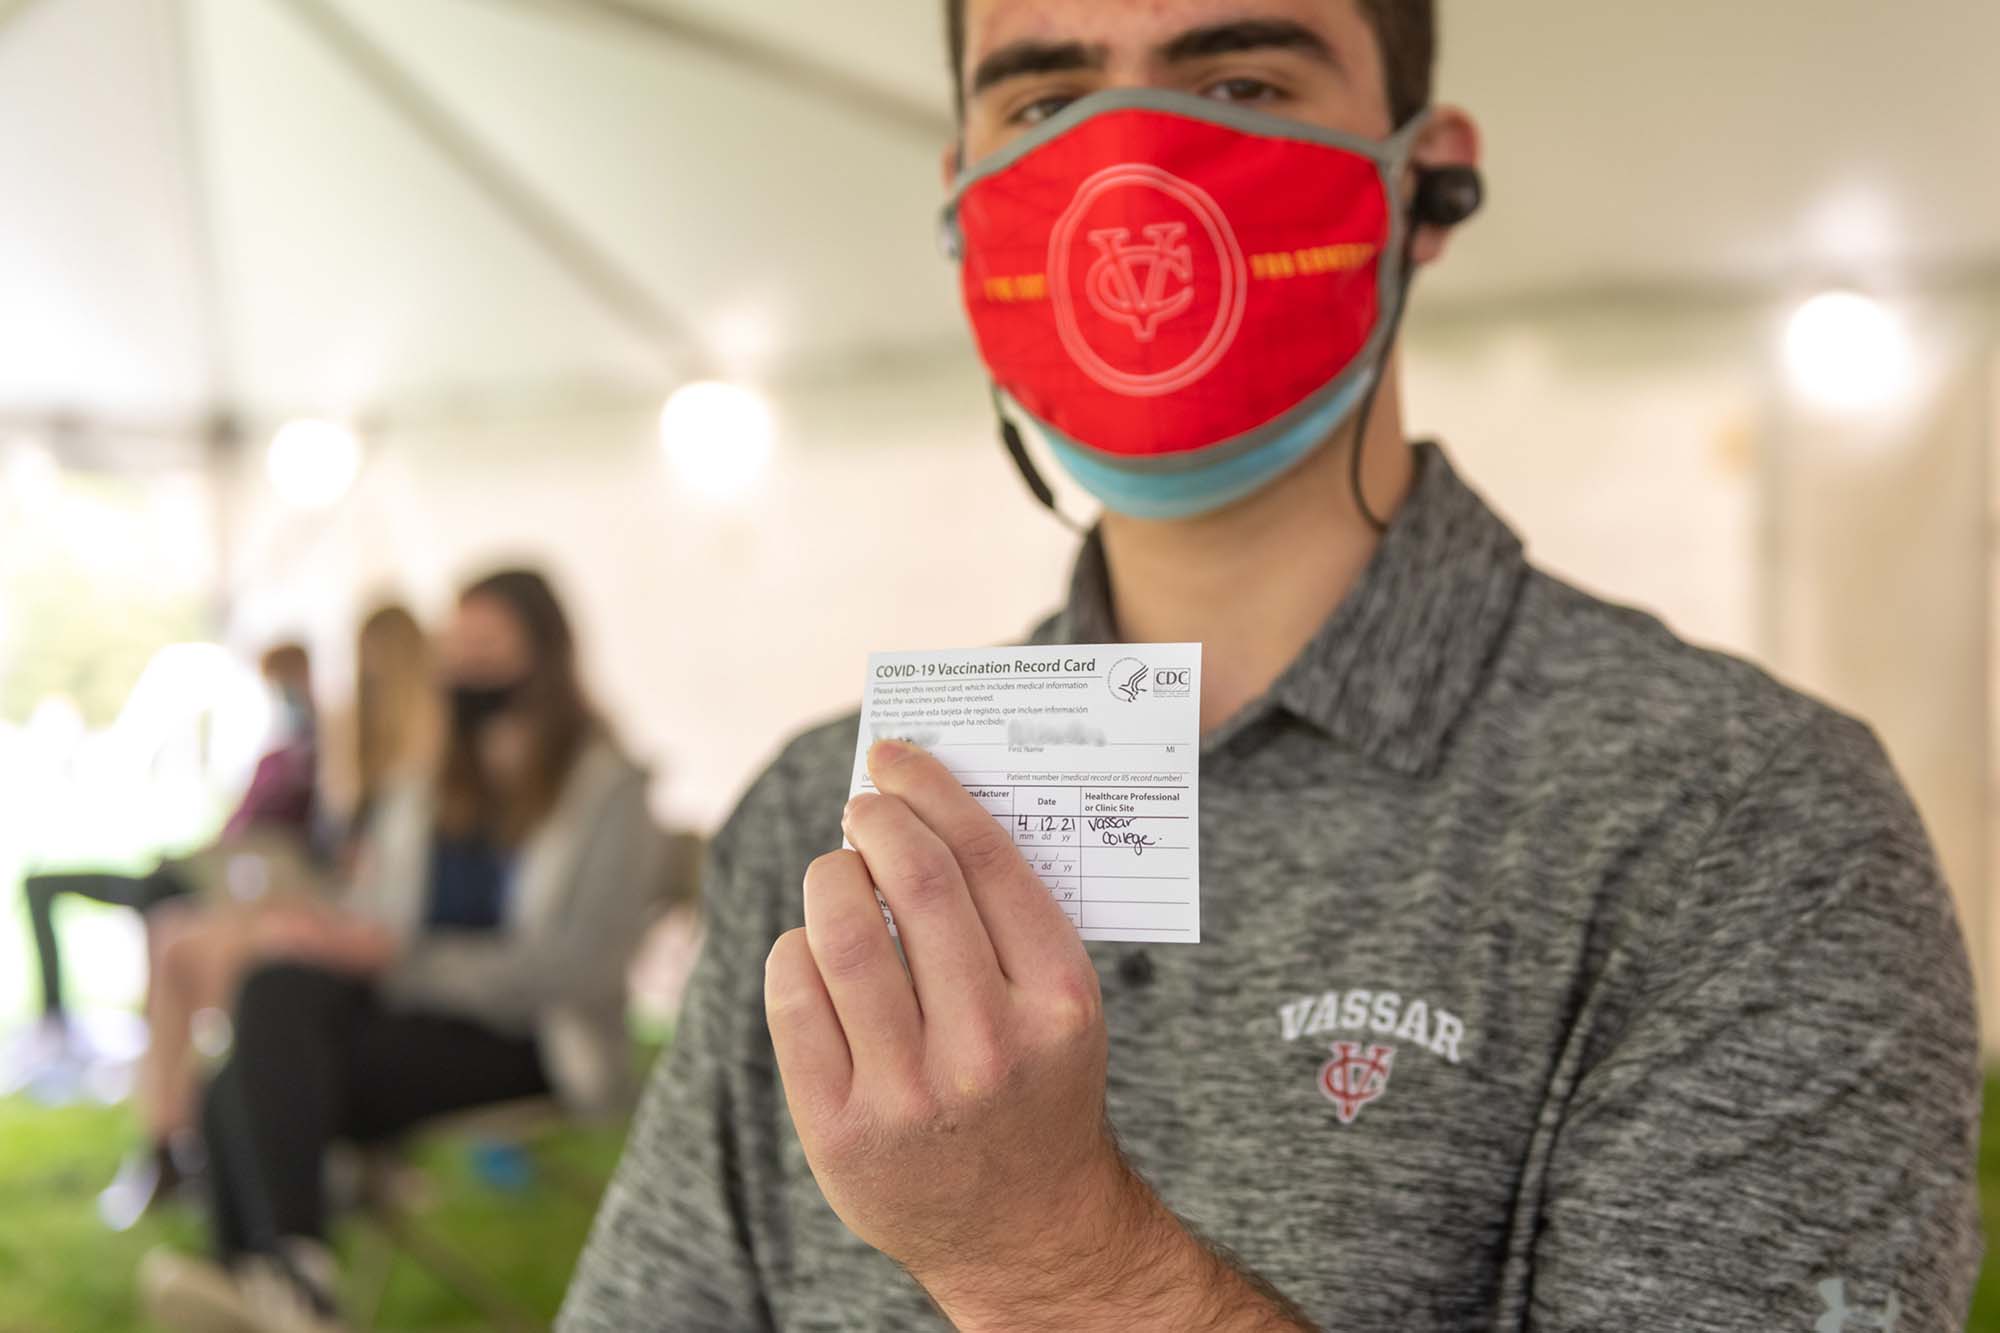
x=888, y=749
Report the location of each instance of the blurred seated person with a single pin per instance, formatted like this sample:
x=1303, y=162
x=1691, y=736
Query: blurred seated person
x=277, y=810
x=480, y=958
x=393, y=736
x=205, y=941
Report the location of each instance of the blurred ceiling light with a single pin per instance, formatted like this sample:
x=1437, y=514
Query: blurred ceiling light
x=313, y=464
x=718, y=436
x=1854, y=225
x=1848, y=353
x=743, y=339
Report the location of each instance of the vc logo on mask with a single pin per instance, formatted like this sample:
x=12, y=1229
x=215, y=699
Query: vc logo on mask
x=1121, y=301
x=1142, y=285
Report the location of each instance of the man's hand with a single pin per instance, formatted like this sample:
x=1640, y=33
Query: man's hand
x=954, y=1114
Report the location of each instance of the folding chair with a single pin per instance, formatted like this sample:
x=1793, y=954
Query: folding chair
x=393, y=1195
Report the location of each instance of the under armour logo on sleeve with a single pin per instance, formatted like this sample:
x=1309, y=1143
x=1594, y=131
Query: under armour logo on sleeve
x=1840, y=1317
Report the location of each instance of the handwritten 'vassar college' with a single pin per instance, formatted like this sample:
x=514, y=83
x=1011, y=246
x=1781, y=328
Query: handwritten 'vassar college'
x=1382, y=1013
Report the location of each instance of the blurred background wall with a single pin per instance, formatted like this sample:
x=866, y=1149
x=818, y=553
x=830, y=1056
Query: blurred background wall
x=485, y=240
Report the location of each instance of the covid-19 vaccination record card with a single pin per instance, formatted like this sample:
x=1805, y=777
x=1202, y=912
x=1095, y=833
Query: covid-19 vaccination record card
x=1088, y=755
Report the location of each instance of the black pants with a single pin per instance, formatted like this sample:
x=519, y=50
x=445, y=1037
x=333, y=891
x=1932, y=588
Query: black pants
x=142, y=893
x=318, y=1059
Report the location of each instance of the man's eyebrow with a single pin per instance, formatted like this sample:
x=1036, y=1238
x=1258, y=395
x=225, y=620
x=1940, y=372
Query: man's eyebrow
x=1032, y=57
x=1221, y=39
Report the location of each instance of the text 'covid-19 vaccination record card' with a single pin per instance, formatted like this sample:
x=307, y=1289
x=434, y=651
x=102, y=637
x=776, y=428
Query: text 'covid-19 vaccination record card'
x=1088, y=756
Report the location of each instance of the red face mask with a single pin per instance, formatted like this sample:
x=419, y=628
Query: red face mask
x=1186, y=296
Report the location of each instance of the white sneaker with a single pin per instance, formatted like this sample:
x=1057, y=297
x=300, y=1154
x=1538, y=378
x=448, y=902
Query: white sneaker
x=278, y=1303
x=192, y=1295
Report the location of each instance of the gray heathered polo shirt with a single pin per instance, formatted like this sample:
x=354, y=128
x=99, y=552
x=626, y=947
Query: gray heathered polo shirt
x=1554, y=974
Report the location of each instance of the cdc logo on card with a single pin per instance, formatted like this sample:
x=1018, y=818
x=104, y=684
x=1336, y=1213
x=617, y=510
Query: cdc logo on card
x=1127, y=679
x=1131, y=680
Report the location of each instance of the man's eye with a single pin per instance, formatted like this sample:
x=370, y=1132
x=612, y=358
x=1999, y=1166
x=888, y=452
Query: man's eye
x=1039, y=110
x=1241, y=90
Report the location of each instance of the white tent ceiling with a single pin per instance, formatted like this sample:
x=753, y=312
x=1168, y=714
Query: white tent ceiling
x=344, y=206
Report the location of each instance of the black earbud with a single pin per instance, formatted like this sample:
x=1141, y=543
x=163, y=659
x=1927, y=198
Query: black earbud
x=1447, y=196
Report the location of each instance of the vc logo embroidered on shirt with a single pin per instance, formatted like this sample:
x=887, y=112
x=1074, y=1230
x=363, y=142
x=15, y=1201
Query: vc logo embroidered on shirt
x=1354, y=1078
x=1358, y=1072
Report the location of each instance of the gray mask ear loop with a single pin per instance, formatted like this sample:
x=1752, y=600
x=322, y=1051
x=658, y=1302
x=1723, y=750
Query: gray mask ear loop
x=1400, y=149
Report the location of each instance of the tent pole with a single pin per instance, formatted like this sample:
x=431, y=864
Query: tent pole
x=592, y=267
x=220, y=442
x=198, y=181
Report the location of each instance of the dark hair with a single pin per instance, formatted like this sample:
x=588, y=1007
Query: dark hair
x=1405, y=30
x=287, y=666
x=551, y=699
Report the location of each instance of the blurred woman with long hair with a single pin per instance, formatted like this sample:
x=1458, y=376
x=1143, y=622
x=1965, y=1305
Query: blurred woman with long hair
x=394, y=734
x=481, y=958
x=203, y=943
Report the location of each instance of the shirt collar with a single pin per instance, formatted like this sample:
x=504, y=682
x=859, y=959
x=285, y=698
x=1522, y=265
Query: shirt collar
x=1399, y=659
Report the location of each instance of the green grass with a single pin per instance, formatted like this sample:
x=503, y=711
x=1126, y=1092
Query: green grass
x=62, y=1272
x=59, y=1268
x=1986, y=1297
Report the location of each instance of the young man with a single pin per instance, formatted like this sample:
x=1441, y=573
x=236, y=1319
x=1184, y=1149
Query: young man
x=1554, y=974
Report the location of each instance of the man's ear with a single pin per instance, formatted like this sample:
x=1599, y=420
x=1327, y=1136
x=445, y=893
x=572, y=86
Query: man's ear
x=954, y=158
x=1449, y=139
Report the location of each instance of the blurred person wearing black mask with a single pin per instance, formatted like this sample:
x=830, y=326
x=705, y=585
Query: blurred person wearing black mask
x=478, y=958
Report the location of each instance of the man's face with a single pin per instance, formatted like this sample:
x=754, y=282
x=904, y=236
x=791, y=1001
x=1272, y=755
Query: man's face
x=1315, y=61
